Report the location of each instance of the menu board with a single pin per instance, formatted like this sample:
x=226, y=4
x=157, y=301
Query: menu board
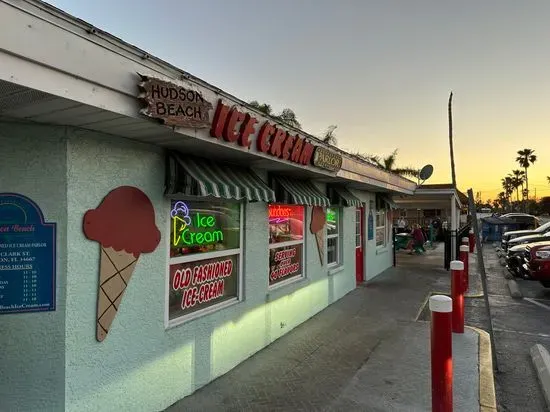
x=27, y=256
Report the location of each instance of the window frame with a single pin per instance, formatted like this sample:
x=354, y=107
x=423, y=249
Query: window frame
x=278, y=245
x=358, y=234
x=383, y=227
x=239, y=252
x=337, y=236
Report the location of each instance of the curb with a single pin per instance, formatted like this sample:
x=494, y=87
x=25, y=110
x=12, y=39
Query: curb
x=487, y=394
x=506, y=273
x=514, y=289
x=541, y=361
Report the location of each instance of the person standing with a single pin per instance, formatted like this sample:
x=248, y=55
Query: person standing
x=401, y=225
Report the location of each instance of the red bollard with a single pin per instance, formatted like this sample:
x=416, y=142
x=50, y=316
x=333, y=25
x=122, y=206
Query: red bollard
x=465, y=241
x=457, y=293
x=465, y=258
x=442, y=353
x=472, y=240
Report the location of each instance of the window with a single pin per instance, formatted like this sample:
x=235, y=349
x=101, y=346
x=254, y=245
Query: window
x=381, y=227
x=286, y=243
x=205, y=256
x=357, y=228
x=334, y=232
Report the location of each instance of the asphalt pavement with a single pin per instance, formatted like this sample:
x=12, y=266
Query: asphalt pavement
x=518, y=324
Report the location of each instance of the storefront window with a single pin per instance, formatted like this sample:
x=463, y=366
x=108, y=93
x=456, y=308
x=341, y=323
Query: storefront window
x=286, y=242
x=333, y=236
x=205, y=256
x=381, y=228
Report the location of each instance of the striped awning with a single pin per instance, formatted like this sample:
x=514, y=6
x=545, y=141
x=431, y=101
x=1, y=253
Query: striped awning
x=299, y=192
x=341, y=196
x=192, y=176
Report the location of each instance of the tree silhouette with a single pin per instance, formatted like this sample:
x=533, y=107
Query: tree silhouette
x=329, y=136
x=388, y=163
x=518, y=179
x=286, y=116
x=526, y=158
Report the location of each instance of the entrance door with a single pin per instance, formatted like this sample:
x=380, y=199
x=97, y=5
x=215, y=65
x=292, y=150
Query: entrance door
x=359, y=276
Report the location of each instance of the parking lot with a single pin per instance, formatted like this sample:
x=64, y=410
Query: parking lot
x=518, y=324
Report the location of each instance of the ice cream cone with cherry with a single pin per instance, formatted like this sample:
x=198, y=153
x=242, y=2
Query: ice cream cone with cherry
x=124, y=226
x=318, y=220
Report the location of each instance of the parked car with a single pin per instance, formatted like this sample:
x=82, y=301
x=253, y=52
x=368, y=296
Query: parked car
x=537, y=264
x=507, y=236
x=539, y=237
x=526, y=221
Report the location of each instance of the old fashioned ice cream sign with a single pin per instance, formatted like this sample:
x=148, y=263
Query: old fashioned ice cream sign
x=172, y=104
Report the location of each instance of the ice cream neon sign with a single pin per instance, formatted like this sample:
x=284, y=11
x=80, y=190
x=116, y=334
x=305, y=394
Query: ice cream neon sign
x=182, y=222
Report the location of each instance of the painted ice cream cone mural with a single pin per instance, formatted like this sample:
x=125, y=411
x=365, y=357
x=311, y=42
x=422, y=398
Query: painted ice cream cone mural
x=124, y=226
x=318, y=220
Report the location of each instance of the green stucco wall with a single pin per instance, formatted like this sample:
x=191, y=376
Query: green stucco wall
x=141, y=365
x=32, y=345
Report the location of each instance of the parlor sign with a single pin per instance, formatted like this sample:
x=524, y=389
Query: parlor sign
x=174, y=105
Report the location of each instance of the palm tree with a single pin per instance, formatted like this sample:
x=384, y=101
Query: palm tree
x=500, y=201
x=508, y=186
x=286, y=116
x=263, y=107
x=526, y=158
x=388, y=163
x=548, y=178
x=519, y=179
x=329, y=137
x=289, y=117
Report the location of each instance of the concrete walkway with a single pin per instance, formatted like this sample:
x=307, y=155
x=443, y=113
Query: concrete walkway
x=366, y=352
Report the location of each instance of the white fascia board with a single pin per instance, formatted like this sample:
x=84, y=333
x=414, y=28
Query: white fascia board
x=44, y=48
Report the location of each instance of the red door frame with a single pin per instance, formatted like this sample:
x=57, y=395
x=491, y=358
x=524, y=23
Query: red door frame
x=360, y=250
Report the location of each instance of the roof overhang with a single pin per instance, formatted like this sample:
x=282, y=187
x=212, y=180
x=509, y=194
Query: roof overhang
x=56, y=69
x=428, y=199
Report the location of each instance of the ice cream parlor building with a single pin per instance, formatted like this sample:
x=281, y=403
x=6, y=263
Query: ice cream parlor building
x=156, y=231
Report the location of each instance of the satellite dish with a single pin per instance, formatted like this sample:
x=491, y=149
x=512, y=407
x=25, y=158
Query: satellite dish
x=425, y=172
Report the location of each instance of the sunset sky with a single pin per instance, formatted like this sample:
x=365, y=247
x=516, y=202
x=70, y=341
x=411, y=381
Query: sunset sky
x=379, y=70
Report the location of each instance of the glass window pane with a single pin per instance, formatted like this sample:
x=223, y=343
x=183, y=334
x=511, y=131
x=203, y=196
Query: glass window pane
x=284, y=263
x=380, y=218
x=332, y=250
x=333, y=220
x=201, y=227
x=380, y=236
x=202, y=283
x=286, y=223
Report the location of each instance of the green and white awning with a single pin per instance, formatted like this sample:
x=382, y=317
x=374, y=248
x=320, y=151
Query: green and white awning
x=340, y=196
x=299, y=192
x=192, y=176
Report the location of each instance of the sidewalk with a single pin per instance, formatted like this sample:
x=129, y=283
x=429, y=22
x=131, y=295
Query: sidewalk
x=366, y=352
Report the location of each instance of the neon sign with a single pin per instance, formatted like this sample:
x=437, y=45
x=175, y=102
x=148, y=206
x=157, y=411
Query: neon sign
x=182, y=221
x=331, y=215
x=278, y=211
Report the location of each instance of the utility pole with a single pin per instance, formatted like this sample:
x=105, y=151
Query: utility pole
x=451, y=140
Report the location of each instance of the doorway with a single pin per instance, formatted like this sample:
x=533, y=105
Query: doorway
x=359, y=248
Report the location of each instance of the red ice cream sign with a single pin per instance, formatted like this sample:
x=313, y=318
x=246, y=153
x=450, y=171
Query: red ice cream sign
x=199, y=284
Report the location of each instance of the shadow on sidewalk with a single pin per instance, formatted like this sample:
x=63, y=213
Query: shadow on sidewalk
x=368, y=336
